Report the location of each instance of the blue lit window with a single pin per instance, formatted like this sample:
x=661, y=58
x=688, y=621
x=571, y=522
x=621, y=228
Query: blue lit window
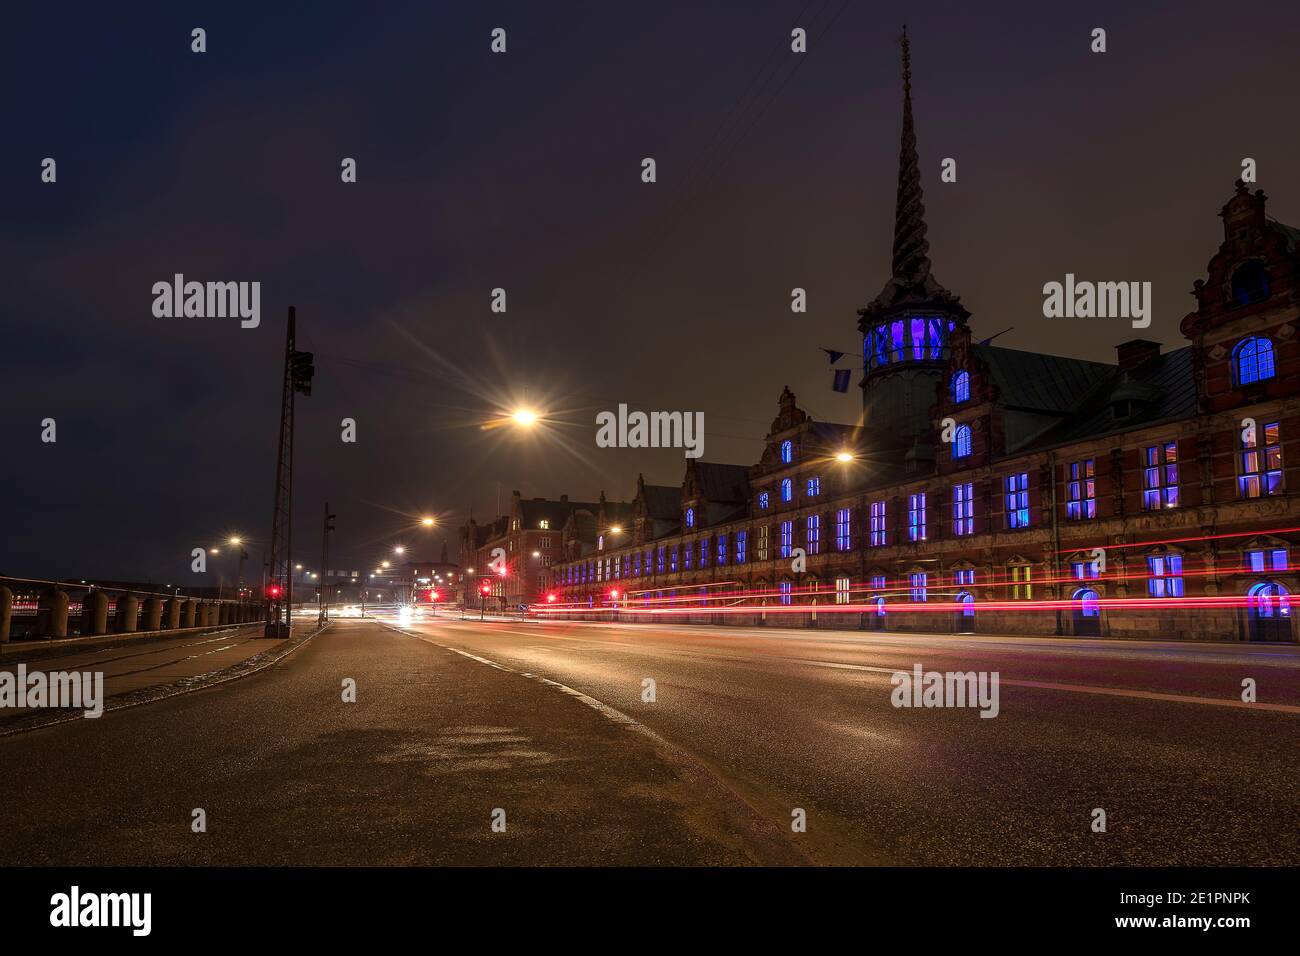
x=961, y=442
x=1088, y=606
x=877, y=582
x=963, y=508
x=722, y=549
x=1274, y=559
x=1253, y=360
x=672, y=560
x=916, y=517
x=787, y=451
x=688, y=554
x=690, y=517
x=1160, y=477
x=1083, y=570
x=1018, y=500
x=918, y=586
x=813, y=533
x=787, y=489
x=814, y=487
x=785, y=588
x=961, y=387
x=843, y=526
x=1261, y=467
x=1081, y=492
x=659, y=564
x=742, y=539
x=878, y=528
x=1166, y=578
x=787, y=538
x=762, y=501
x=704, y=553
x=964, y=576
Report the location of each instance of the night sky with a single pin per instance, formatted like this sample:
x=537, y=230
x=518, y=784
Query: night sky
x=523, y=171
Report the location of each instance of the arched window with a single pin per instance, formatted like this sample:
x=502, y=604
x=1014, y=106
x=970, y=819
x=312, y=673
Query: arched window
x=787, y=452
x=961, y=387
x=961, y=442
x=1087, y=599
x=1250, y=283
x=1252, y=360
x=762, y=500
x=787, y=490
x=690, y=517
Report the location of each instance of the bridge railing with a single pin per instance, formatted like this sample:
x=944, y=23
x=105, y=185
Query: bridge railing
x=36, y=608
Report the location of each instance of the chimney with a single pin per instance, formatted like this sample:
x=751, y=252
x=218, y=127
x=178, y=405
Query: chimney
x=564, y=499
x=1136, y=352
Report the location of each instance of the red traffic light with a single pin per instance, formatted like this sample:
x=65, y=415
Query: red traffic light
x=486, y=589
x=435, y=596
x=273, y=591
x=614, y=594
x=550, y=598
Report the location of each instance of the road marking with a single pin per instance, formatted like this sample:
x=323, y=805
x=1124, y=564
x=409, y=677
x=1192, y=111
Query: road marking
x=1081, y=688
x=1039, y=685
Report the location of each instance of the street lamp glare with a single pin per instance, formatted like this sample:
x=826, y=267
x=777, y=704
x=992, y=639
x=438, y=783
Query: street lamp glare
x=383, y=564
x=427, y=522
x=399, y=550
x=844, y=456
x=236, y=542
x=617, y=529
x=524, y=417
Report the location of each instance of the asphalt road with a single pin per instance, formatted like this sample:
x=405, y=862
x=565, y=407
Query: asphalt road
x=548, y=722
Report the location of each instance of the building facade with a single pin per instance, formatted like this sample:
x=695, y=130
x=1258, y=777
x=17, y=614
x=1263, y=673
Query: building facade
x=994, y=489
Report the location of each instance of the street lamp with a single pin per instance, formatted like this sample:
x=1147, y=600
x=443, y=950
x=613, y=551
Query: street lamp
x=844, y=457
x=524, y=417
x=427, y=522
x=399, y=550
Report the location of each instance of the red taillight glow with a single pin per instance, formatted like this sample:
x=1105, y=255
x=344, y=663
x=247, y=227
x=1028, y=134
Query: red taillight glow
x=550, y=598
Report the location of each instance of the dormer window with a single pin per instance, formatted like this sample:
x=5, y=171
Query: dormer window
x=961, y=387
x=543, y=524
x=763, y=501
x=1252, y=360
x=787, y=452
x=1250, y=283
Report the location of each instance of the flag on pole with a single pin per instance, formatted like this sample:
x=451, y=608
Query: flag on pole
x=842, y=376
x=834, y=355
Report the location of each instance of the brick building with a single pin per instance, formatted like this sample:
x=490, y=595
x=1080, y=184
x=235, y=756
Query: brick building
x=1001, y=490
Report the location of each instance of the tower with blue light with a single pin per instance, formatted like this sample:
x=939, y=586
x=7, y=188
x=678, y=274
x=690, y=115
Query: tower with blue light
x=909, y=328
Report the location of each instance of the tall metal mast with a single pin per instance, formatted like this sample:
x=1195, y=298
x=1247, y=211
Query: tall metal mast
x=298, y=372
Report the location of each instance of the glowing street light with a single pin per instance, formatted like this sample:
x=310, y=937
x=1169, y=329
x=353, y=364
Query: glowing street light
x=524, y=417
x=236, y=542
x=844, y=456
x=427, y=522
x=617, y=529
x=382, y=564
x=537, y=554
x=399, y=550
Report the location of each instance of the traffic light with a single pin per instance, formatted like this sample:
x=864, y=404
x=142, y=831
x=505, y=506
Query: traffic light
x=273, y=591
x=485, y=590
x=550, y=598
x=614, y=594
